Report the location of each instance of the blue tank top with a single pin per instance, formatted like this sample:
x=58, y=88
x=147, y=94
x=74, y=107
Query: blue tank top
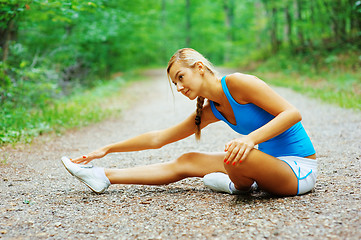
x=249, y=117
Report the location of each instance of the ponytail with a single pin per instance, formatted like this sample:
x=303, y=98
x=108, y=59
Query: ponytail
x=198, y=119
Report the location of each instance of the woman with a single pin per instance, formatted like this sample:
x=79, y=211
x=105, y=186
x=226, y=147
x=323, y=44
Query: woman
x=284, y=163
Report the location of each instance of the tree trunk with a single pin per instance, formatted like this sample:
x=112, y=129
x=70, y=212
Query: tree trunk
x=5, y=39
x=228, y=6
x=336, y=13
x=299, y=21
x=358, y=19
x=288, y=27
x=342, y=14
x=163, y=23
x=274, y=28
x=353, y=19
x=188, y=23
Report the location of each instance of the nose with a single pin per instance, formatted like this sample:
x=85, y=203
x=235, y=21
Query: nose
x=179, y=87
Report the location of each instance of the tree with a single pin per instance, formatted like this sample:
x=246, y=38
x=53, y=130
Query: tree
x=272, y=13
x=188, y=28
x=9, y=13
x=288, y=24
x=228, y=6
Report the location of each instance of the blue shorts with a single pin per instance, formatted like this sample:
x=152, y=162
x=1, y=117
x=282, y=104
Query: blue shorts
x=305, y=170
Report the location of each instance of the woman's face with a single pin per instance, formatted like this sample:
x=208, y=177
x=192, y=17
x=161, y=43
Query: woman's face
x=187, y=80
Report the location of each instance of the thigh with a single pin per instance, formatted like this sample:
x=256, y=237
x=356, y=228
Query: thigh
x=271, y=174
x=198, y=164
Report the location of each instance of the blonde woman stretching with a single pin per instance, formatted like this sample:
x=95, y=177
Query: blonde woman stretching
x=284, y=163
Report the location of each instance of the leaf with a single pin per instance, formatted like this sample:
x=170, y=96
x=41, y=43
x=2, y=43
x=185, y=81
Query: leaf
x=92, y=4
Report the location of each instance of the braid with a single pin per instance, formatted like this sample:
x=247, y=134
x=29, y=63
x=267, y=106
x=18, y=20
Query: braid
x=198, y=119
x=188, y=58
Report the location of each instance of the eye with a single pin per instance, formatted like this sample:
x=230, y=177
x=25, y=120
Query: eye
x=174, y=83
x=180, y=77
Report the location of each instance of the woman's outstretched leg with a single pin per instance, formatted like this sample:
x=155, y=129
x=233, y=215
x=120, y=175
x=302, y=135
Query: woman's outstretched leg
x=188, y=165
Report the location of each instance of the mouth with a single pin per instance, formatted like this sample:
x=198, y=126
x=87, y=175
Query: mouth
x=186, y=92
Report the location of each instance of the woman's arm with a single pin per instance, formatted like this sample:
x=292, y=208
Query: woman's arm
x=153, y=139
x=250, y=89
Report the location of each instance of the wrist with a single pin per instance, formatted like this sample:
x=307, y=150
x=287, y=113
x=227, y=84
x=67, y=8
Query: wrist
x=252, y=138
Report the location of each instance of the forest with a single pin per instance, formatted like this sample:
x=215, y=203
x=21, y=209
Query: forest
x=57, y=55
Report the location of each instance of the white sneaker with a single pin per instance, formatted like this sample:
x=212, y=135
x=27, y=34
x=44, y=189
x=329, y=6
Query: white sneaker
x=220, y=182
x=86, y=174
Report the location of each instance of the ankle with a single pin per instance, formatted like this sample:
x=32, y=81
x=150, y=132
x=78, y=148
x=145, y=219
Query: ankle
x=242, y=188
x=101, y=174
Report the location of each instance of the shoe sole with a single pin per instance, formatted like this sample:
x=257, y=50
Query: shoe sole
x=81, y=180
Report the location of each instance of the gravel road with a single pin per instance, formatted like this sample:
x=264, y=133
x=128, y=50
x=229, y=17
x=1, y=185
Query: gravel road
x=40, y=200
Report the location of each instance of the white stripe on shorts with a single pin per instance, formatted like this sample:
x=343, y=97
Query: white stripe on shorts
x=305, y=170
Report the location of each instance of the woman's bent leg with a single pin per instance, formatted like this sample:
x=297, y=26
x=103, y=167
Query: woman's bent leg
x=188, y=165
x=270, y=173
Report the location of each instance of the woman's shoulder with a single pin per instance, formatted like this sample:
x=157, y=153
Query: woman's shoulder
x=240, y=85
x=239, y=79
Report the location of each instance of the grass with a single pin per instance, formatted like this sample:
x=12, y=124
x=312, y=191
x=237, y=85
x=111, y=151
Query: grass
x=342, y=89
x=80, y=109
x=332, y=76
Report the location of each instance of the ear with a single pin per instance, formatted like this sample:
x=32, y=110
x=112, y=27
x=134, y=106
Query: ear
x=200, y=67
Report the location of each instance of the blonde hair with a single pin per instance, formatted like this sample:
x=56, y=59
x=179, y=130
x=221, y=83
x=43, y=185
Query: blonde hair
x=189, y=57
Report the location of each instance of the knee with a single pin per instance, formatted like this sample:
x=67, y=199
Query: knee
x=185, y=162
x=186, y=159
x=249, y=162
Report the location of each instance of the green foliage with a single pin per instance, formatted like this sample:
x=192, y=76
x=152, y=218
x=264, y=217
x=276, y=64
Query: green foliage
x=22, y=124
x=52, y=50
x=340, y=89
x=334, y=77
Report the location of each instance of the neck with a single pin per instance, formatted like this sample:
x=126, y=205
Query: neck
x=212, y=88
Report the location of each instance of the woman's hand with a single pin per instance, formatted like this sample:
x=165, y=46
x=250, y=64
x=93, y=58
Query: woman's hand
x=85, y=159
x=238, y=149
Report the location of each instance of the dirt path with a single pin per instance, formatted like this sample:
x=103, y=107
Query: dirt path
x=40, y=200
